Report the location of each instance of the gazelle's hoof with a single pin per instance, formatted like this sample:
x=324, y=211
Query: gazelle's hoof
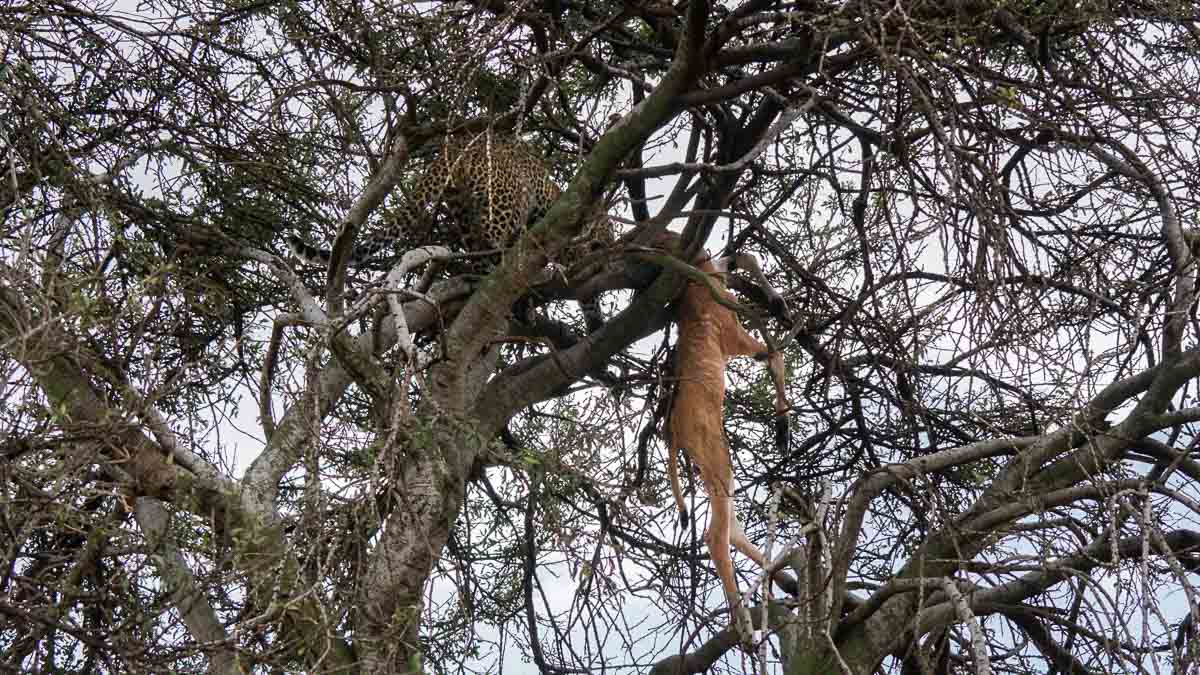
x=745, y=627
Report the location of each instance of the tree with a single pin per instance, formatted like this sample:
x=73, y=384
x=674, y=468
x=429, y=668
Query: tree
x=216, y=460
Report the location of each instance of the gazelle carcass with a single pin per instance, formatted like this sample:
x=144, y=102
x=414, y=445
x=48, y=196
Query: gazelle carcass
x=709, y=335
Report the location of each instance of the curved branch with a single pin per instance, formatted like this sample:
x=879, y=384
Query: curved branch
x=1058, y=655
x=1005, y=596
x=373, y=195
x=1183, y=263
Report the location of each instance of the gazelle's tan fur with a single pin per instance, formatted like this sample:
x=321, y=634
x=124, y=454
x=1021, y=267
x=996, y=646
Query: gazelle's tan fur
x=710, y=334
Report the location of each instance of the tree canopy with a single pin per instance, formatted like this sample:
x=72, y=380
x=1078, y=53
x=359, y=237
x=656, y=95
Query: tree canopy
x=215, y=458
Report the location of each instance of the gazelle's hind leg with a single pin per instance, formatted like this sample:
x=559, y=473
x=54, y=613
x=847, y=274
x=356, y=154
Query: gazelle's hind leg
x=724, y=530
x=743, y=544
x=720, y=526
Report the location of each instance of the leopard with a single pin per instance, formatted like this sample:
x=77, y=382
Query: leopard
x=479, y=193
